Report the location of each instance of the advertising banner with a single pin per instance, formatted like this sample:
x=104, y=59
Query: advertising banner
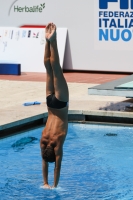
x=25, y=46
x=99, y=37
x=114, y=25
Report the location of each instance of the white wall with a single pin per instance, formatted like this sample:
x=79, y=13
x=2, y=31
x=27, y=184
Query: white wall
x=80, y=18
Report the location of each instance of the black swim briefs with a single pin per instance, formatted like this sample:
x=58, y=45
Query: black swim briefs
x=53, y=102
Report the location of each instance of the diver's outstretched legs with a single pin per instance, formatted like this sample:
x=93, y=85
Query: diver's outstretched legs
x=49, y=71
x=60, y=85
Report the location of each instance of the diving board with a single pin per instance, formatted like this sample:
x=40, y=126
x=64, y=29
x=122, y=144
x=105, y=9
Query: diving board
x=128, y=85
x=114, y=88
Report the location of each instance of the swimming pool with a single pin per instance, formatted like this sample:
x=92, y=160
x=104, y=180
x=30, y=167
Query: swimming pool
x=97, y=164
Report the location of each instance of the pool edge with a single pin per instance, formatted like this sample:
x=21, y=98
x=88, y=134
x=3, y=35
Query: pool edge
x=78, y=116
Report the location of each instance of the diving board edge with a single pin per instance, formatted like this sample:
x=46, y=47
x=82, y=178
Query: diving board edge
x=120, y=93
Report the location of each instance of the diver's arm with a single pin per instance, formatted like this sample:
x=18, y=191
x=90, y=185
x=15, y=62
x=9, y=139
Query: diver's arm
x=44, y=165
x=57, y=167
x=45, y=173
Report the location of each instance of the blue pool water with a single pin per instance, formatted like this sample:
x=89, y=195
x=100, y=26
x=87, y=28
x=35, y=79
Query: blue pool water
x=97, y=164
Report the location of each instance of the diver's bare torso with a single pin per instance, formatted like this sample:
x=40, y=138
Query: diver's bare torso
x=56, y=127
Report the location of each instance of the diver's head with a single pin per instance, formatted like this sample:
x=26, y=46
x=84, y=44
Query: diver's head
x=48, y=154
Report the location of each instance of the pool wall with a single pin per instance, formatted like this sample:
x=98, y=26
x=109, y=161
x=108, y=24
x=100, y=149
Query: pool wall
x=118, y=118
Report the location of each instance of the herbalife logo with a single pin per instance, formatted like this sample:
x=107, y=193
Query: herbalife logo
x=30, y=9
x=26, y=9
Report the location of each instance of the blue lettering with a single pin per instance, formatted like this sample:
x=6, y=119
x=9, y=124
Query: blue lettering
x=103, y=35
x=129, y=35
x=115, y=23
x=112, y=35
x=105, y=24
x=124, y=4
x=112, y=23
x=103, y=4
x=131, y=23
x=126, y=14
x=105, y=14
x=126, y=23
x=115, y=35
x=116, y=14
x=100, y=13
x=121, y=14
x=110, y=14
x=100, y=22
x=131, y=4
x=119, y=24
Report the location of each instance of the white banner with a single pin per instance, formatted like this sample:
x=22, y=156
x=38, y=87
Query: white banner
x=26, y=46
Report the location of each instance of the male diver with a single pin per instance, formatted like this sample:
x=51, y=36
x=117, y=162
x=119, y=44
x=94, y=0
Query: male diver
x=57, y=96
